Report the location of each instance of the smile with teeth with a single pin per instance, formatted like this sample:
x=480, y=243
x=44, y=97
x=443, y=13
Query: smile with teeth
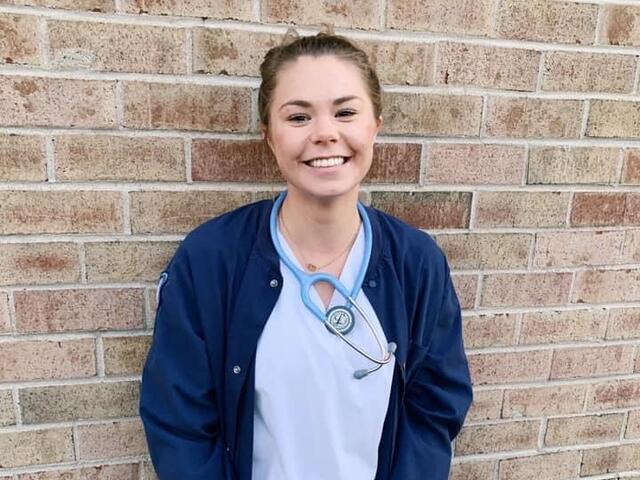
x=326, y=162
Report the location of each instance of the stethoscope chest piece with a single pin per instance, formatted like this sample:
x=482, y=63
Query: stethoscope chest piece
x=341, y=319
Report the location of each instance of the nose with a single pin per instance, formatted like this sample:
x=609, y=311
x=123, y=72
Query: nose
x=324, y=130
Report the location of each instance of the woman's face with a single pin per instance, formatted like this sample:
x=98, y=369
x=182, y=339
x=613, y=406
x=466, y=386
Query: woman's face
x=322, y=126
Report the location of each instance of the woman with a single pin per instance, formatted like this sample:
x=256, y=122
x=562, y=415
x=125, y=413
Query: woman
x=254, y=372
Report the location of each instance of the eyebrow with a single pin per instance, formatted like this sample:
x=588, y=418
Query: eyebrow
x=305, y=104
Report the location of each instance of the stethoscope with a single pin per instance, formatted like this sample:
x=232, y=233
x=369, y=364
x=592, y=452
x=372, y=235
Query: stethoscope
x=340, y=319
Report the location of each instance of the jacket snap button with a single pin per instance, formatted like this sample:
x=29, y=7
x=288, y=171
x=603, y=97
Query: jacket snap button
x=372, y=283
x=273, y=283
x=237, y=369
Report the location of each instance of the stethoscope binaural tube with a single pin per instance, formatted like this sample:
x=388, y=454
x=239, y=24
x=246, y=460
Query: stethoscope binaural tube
x=307, y=281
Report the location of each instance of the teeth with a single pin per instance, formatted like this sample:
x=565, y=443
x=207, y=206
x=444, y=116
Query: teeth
x=326, y=162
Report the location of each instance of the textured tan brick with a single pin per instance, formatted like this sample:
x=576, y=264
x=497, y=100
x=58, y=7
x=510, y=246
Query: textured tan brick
x=102, y=157
x=525, y=289
x=466, y=287
x=150, y=473
x=186, y=107
x=486, y=405
x=547, y=21
x=469, y=251
x=615, y=394
x=592, y=361
x=87, y=309
x=624, y=324
x=7, y=415
x=607, y=286
x=632, y=209
x=489, y=368
x=553, y=465
x=426, y=209
x=539, y=401
x=32, y=101
x=491, y=67
x=434, y=115
x=533, y=118
x=177, y=212
x=497, y=437
x=588, y=72
x=111, y=440
x=362, y=14
x=125, y=355
x=22, y=158
x=103, y=472
x=24, y=263
x=475, y=164
x=19, y=39
x=583, y=430
x=631, y=169
x=598, y=209
x=395, y=163
x=117, y=48
x=621, y=25
x=401, y=62
x=563, y=326
x=562, y=165
x=5, y=321
x=25, y=212
x=92, y=5
x=611, y=459
x=521, y=209
x=489, y=330
x=236, y=9
x=633, y=425
x=568, y=249
x=631, y=247
x=614, y=119
x=35, y=447
x=35, y=360
x=76, y=402
x=471, y=471
x=460, y=16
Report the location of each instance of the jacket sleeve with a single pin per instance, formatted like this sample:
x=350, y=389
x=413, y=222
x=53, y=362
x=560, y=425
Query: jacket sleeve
x=177, y=403
x=438, y=391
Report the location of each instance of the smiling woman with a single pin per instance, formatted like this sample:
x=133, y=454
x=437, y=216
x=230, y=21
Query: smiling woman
x=308, y=336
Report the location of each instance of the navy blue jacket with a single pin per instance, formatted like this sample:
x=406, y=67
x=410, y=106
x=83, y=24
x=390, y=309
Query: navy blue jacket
x=197, y=395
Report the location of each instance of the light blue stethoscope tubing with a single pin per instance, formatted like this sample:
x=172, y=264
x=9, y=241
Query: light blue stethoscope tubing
x=307, y=281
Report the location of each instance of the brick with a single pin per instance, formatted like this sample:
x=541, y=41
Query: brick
x=7, y=414
x=566, y=165
x=525, y=289
x=614, y=119
x=18, y=449
x=127, y=261
x=404, y=63
x=395, y=163
x=466, y=287
x=489, y=67
x=179, y=212
x=41, y=263
x=553, y=465
x=20, y=39
x=615, y=394
x=22, y=158
x=504, y=436
x=117, y=48
x=100, y=309
x=569, y=249
x=563, y=326
x=36, y=360
x=471, y=471
x=543, y=401
x=631, y=247
x=459, y=16
x=105, y=6
x=486, y=405
x=186, y=107
x=5, y=321
x=592, y=361
x=470, y=251
x=598, y=209
x=26, y=212
x=151, y=305
x=521, y=209
x=77, y=402
x=430, y=210
x=588, y=72
x=125, y=355
x=633, y=425
x=128, y=471
x=111, y=440
x=106, y=157
x=432, y=115
x=621, y=25
x=631, y=168
x=632, y=209
x=481, y=331
x=610, y=459
x=624, y=324
x=547, y=21
x=44, y=102
x=533, y=118
x=223, y=9
x=475, y=164
x=362, y=14
x=583, y=430
x=150, y=474
x=602, y=286
x=524, y=366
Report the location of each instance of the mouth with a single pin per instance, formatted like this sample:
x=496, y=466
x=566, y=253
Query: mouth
x=327, y=162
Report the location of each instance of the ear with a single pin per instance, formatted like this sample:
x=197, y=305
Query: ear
x=265, y=135
x=379, y=123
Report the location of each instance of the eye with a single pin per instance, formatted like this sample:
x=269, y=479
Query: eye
x=297, y=118
x=346, y=113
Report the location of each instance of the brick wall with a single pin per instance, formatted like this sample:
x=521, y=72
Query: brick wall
x=511, y=134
